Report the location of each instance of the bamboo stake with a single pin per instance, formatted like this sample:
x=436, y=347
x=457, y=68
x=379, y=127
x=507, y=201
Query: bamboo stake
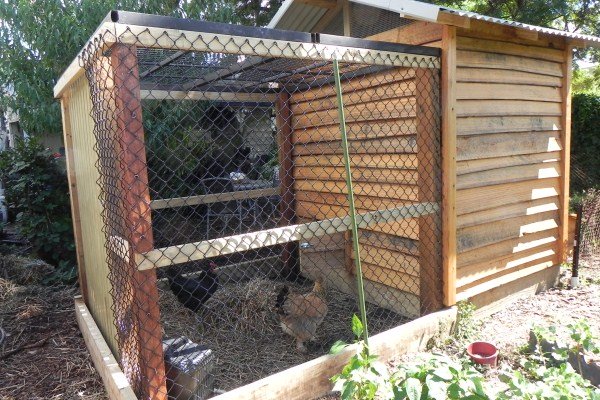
x=351, y=209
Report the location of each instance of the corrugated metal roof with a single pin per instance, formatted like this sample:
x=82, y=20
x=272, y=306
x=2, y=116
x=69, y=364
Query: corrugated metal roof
x=534, y=28
x=293, y=16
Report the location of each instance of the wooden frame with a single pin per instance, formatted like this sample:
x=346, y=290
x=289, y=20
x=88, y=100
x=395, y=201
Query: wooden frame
x=449, y=143
x=167, y=256
x=74, y=196
x=565, y=161
x=213, y=198
x=115, y=382
x=136, y=211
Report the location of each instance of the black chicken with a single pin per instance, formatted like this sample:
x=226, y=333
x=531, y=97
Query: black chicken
x=193, y=292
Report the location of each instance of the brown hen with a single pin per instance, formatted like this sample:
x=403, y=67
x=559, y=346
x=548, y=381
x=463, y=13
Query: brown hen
x=301, y=314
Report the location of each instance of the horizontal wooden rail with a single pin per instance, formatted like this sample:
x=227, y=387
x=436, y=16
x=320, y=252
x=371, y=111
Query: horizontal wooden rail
x=156, y=94
x=171, y=255
x=213, y=198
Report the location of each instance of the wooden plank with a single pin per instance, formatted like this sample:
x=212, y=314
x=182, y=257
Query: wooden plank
x=213, y=198
x=505, y=279
x=566, y=154
x=364, y=161
x=116, y=384
x=390, y=260
x=492, y=31
x=408, y=228
x=386, y=190
x=489, y=108
x=508, y=211
x=503, y=145
x=371, y=203
x=480, y=274
x=509, y=124
x=138, y=225
x=337, y=174
x=418, y=33
x=495, y=46
x=232, y=244
x=485, y=164
x=366, y=81
x=455, y=20
x=377, y=110
x=283, y=122
x=357, y=130
x=483, y=75
x=429, y=183
x=502, y=252
x=391, y=278
x=475, y=59
x=478, y=236
x=506, y=91
x=154, y=94
x=394, y=87
x=74, y=195
x=448, y=90
x=394, y=145
x=509, y=174
x=312, y=379
x=478, y=199
x=391, y=242
x=320, y=3
x=175, y=39
x=497, y=299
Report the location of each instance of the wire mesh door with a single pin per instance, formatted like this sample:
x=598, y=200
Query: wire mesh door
x=225, y=196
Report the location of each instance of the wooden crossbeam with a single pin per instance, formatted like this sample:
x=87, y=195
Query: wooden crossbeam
x=171, y=255
x=159, y=94
x=213, y=198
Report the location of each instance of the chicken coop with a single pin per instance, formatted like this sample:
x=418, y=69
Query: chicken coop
x=237, y=190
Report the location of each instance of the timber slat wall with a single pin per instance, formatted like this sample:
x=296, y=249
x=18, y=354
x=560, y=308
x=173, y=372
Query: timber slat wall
x=98, y=291
x=382, y=132
x=509, y=113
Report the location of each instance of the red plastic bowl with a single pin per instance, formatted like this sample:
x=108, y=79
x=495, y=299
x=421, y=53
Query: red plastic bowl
x=483, y=353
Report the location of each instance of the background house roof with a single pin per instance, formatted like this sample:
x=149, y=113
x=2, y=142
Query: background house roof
x=302, y=16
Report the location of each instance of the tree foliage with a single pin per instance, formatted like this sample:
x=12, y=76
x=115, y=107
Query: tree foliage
x=39, y=38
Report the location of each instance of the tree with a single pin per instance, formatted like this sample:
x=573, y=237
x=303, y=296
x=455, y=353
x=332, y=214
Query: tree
x=39, y=38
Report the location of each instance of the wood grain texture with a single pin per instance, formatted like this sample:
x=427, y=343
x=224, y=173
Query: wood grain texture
x=495, y=46
x=503, y=144
x=137, y=222
x=73, y=193
x=448, y=89
x=475, y=59
x=566, y=154
x=115, y=382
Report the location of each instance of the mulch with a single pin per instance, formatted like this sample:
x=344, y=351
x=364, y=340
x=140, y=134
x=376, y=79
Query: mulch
x=43, y=355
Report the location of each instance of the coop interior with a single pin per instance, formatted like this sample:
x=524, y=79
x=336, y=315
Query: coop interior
x=234, y=194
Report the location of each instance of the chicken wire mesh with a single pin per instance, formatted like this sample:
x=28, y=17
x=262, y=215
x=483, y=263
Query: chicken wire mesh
x=224, y=196
x=587, y=260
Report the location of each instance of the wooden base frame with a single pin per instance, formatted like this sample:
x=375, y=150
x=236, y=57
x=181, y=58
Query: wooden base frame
x=304, y=381
x=114, y=379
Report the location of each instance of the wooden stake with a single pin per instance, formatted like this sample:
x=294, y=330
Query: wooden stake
x=565, y=160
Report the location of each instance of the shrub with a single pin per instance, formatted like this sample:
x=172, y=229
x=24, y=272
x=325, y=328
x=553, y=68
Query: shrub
x=585, y=142
x=37, y=193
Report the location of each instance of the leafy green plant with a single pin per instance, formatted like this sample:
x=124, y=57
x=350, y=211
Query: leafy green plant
x=37, y=192
x=438, y=377
x=363, y=377
x=547, y=374
x=548, y=383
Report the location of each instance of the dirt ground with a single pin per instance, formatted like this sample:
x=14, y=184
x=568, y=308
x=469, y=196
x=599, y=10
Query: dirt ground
x=43, y=355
